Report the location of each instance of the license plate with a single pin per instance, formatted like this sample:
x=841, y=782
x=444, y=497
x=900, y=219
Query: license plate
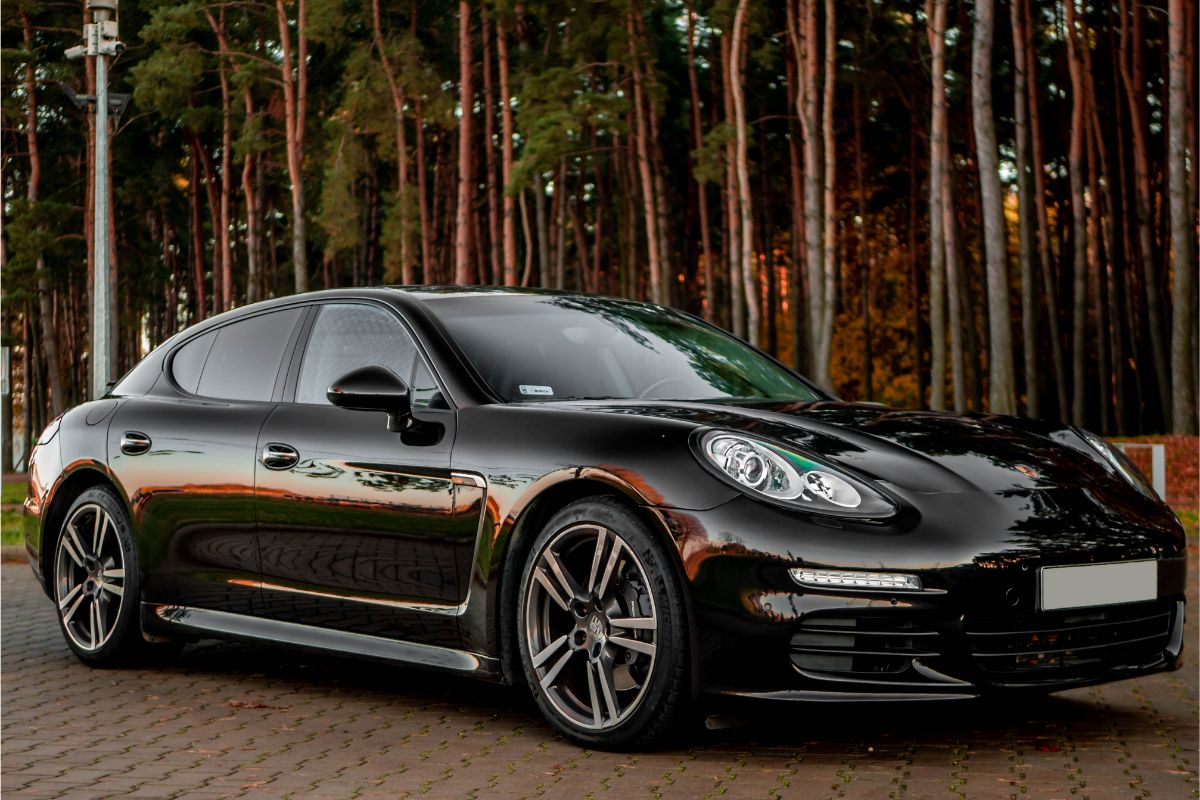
x=1098, y=584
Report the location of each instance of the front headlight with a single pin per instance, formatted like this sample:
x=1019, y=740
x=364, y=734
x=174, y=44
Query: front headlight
x=1118, y=461
x=773, y=472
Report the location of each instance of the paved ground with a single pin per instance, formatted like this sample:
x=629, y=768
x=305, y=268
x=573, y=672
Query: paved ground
x=228, y=720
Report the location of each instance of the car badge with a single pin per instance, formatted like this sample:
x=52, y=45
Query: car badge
x=1027, y=471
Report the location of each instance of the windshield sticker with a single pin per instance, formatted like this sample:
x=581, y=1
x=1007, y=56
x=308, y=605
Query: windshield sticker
x=531, y=389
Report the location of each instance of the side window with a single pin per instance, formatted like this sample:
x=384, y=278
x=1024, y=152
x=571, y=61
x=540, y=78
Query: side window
x=244, y=360
x=348, y=336
x=188, y=361
x=424, y=390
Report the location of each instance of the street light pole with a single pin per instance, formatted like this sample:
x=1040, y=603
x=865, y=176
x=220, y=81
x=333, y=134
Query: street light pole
x=100, y=42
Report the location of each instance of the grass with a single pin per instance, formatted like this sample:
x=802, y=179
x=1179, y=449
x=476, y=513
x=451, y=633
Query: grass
x=10, y=527
x=1191, y=521
x=13, y=493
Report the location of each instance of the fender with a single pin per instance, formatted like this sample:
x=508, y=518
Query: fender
x=512, y=517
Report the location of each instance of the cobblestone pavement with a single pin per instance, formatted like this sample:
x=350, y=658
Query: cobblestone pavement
x=236, y=720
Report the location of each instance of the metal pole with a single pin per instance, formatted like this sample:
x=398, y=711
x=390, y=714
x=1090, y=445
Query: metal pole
x=100, y=40
x=101, y=355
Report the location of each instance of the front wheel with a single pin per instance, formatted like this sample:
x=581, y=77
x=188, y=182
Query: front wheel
x=602, y=628
x=95, y=581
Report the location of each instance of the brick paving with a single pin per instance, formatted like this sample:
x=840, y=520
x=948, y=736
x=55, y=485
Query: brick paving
x=238, y=720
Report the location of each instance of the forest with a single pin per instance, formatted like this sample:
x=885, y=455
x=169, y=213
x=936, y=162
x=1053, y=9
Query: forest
x=949, y=204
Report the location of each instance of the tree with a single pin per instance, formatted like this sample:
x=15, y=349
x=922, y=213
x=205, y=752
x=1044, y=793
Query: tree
x=1183, y=230
x=742, y=174
x=263, y=132
x=49, y=334
x=1075, y=168
x=294, y=78
x=466, y=177
x=1024, y=208
x=1001, y=398
x=935, y=13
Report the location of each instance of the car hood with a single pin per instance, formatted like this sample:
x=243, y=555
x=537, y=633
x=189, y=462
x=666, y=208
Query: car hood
x=919, y=451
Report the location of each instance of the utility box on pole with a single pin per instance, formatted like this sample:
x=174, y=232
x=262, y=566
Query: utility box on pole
x=100, y=39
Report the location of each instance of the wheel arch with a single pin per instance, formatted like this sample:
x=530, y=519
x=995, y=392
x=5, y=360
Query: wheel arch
x=540, y=505
x=79, y=479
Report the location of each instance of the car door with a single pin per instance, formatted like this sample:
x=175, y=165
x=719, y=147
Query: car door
x=362, y=529
x=185, y=454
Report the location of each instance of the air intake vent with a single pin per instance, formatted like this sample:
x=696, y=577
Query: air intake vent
x=860, y=647
x=1061, y=644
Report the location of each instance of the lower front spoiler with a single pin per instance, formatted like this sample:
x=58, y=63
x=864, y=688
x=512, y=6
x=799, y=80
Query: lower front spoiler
x=872, y=694
x=959, y=671
x=819, y=696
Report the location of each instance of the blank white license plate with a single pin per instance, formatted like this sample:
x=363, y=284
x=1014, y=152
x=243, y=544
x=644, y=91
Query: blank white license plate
x=1098, y=584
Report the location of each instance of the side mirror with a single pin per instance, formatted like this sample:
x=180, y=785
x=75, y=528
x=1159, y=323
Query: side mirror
x=374, y=389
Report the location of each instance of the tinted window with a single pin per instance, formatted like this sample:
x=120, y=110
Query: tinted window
x=570, y=347
x=424, y=391
x=346, y=337
x=245, y=357
x=188, y=361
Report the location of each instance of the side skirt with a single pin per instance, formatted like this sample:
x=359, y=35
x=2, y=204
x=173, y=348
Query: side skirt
x=223, y=624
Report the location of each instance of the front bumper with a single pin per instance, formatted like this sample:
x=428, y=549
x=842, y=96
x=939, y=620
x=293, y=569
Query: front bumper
x=974, y=629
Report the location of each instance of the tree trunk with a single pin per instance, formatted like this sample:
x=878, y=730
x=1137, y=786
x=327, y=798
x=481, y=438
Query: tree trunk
x=1183, y=391
x=560, y=210
x=199, y=283
x=295, y=109
x=829, y=184
x=1001, y=398
x=935, y=13
x=1049, y=282
x=48, y=330
x=733, y=239
x=527, y=230
x=253, y=234
x=1134, y=85
x=542, y=224
x=1024, y=211
x=641, y=136
x=506, y=160
x=813, y=206
x=224, y=245
x=1096, y=269
x=798, y=294
x=396, y=91
x=462, y=224
x=708, y=307
x=954, y=280
x=489, y=150
x=423, y=195
x=745, y=210
x=1075, y=167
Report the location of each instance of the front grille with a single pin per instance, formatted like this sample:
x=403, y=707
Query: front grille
x=873, y=648
x=1058, y=645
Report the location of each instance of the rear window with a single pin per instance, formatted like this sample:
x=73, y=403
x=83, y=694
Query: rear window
x=239, y=361
x=188, y=361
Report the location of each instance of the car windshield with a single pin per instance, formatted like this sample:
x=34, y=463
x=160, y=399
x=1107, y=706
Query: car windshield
x=564, y=347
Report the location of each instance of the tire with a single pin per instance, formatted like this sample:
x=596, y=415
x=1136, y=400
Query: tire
x=95, y=583
x=602, y=629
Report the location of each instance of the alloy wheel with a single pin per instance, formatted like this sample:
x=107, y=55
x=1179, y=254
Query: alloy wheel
x=89, y=577
x=591, y=626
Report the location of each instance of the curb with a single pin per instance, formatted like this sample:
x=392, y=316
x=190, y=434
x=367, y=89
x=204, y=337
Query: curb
x=10, y=553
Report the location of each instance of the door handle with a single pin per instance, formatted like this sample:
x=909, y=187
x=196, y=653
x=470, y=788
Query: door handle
x=134, y=443
x=279, y=456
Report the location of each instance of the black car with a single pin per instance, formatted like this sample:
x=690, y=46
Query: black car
x=615, y=504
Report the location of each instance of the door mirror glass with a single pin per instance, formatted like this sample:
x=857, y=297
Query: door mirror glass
x=374, y=388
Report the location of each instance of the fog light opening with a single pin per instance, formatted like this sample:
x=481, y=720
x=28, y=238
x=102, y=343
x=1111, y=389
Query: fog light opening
x=876, y=581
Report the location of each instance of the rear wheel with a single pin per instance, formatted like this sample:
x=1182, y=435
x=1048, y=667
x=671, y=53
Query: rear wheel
x=602, y=628
x=95, y=581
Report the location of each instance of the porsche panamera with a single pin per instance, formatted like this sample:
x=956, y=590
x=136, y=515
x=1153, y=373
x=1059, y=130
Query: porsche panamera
x=613, y=504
